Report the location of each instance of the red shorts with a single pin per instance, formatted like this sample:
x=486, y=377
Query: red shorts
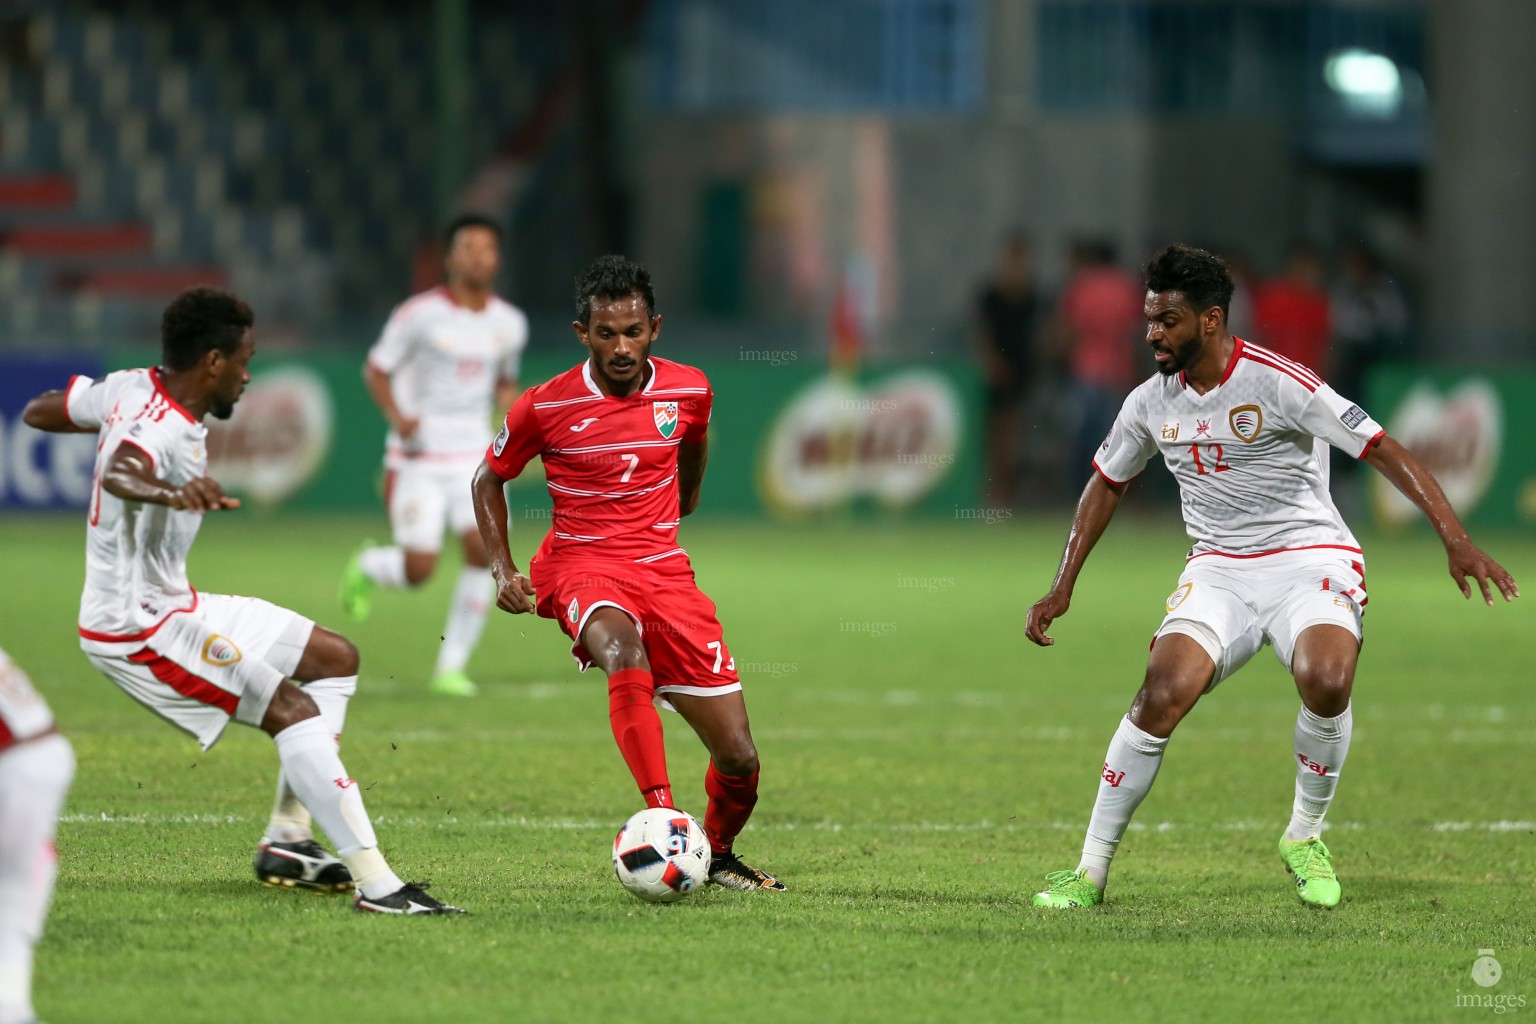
x=677, y=622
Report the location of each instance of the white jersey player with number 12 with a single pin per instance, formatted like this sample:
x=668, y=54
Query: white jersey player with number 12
x=444, y=356
x=1245, y=433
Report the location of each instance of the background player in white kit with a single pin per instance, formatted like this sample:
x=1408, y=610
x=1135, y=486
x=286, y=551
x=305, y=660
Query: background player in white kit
x=1245, y=433
x=198, y=660
x=443, y=357
x=36, y=766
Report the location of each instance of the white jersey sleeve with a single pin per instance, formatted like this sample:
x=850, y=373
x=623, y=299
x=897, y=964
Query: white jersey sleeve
x=515, y=341
x=397, y=340
x=1326, y=414
x=1125, y=452
x=87, y=402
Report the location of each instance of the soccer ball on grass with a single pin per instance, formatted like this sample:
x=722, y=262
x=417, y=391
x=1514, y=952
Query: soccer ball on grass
x=661, y=855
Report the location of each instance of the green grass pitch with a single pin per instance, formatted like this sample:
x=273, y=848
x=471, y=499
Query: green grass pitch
x=924, y=766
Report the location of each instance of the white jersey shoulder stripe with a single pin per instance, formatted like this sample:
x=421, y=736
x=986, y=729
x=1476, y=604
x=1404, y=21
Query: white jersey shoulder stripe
x=612, y=447
x=1284, y=365
x=568, y=401
x=1284, y=360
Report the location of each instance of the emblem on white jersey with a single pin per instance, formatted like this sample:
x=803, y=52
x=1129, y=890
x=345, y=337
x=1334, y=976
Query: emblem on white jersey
x=500, y=442
x=1170, y=431
x=1177, y=597
x=573, y=612
x=1202, y=429
x=666, y=417
x=584, y=424
x=220, y=650
x=1245, y=421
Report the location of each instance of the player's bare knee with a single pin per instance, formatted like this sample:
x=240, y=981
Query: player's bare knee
x=736, y=756
x=618, y=653
x=290, y=706
x=1326, y=690
x=327, y=656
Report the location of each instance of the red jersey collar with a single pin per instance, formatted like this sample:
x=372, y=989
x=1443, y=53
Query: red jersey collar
x=1237, y=353
x=154, y=376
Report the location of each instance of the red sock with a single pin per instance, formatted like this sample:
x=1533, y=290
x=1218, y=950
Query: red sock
x=637, y=730
x=731, y=799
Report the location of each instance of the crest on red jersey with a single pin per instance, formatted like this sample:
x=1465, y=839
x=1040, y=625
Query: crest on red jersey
x=1245, y=421
x=666, y=417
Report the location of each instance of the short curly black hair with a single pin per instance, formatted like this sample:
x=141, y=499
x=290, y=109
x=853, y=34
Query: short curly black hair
x=1201, y=277
x=612, y=277
x=200, y=320
x=469, y=220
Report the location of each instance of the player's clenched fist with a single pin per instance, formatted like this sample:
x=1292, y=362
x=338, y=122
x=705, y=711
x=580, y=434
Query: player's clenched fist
x=513, y=594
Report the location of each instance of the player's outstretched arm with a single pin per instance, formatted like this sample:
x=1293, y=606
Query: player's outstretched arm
x=513, y=590
x=692, y=456
x=47, y=412
x=130, y=475
x=1094, y=511
x=1419, y=485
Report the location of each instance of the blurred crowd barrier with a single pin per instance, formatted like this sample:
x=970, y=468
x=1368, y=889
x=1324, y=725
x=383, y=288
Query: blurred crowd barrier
x=788, y=438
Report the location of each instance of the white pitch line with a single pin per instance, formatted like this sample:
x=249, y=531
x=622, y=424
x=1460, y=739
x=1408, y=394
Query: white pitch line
x=565, y=824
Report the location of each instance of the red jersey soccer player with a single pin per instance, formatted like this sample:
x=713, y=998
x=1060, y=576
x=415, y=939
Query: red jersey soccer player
x=622, y=438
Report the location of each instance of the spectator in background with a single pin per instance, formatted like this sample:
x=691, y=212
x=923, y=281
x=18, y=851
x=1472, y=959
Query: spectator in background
x=1096, y=328
x=1245, y=281
x=1007, y=313
x=1291, y=312
x=1370, y=318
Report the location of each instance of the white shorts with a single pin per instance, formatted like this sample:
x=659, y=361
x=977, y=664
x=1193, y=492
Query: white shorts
x=424, y=498
x=1233, y=606
x=222, y=660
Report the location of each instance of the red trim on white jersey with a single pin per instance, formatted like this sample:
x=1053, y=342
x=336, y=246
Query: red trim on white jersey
x=1107, y=477
x=1296, y=371
x=67, y=389
x=185, y=683
x=154, y=375
x=1277, y=551
x=126, y=638
x=1372, y=443
x=1238, y=347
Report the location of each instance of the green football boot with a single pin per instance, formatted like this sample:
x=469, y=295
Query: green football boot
x=356, y=587
x=454, y=684
x=1068, y=889
x=1310, y=863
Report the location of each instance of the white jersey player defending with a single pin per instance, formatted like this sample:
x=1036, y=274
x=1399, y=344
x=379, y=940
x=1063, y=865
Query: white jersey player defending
x=443, y=356
x=1245, y=433
x=36, y=766
x=198, y=660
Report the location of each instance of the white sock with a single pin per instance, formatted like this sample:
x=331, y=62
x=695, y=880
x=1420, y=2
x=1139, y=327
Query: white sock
x=1321, y=746
x=315, y=772
x=385, y=566
x=1130, y=766
x=472, y=596
x=290, y=821
x=34, y=776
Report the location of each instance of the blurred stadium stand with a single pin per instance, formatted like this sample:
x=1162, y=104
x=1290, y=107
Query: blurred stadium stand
x=285, y=149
